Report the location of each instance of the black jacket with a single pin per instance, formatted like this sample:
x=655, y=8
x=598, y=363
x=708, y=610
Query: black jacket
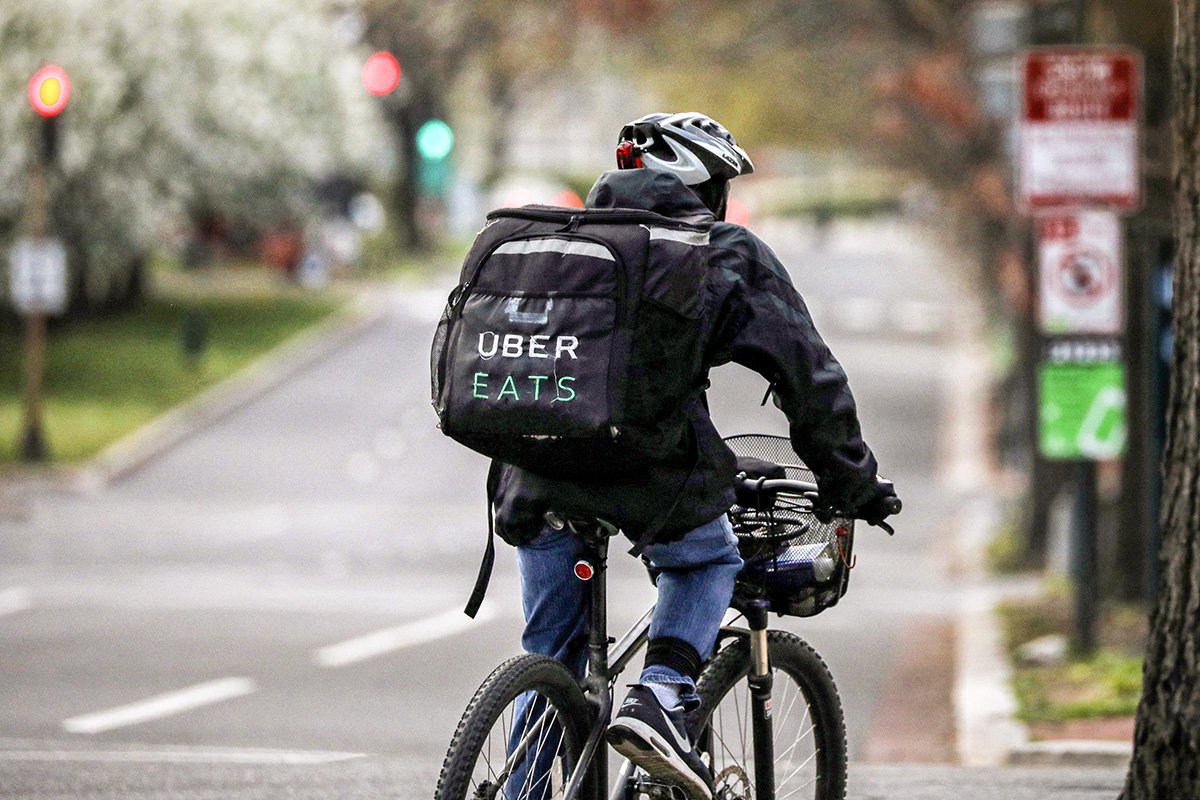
x=754, y=317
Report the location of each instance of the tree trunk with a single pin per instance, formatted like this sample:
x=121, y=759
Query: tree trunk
x=1166, y=756
x=503, y=104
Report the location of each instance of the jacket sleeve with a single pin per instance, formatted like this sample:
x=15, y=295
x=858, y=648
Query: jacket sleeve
x=763, y=324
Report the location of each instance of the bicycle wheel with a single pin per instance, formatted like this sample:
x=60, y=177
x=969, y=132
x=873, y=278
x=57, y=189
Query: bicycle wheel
x=810, y=733
x=520, y=737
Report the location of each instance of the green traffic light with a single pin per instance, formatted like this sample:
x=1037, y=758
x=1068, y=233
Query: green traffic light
x=435, y=140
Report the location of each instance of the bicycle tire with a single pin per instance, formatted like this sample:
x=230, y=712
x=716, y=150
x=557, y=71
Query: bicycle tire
x=725, y=713
x=463, y=776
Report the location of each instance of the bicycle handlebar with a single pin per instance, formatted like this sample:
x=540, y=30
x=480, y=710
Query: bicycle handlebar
x=808, y=489
x=777, y=485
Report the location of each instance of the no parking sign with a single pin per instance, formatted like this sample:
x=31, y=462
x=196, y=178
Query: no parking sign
x=1080, y=263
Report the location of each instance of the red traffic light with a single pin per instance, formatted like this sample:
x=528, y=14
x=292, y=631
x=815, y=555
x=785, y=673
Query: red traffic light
x=381, y=73
x=49, y=90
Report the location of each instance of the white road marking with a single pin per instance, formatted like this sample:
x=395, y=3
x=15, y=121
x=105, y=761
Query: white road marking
x=159, y=706
x=184, y=755
x=15, y=600
x=919, y=316
x=860, y=314
x=388, y=640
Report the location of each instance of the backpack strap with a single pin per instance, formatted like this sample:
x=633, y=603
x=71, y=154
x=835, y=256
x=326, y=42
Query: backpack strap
x=489, y=553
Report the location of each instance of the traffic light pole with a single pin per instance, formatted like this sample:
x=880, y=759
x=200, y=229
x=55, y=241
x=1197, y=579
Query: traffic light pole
x=33, y=439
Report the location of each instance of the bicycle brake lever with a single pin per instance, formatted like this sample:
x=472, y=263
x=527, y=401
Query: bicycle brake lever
x=881, y=524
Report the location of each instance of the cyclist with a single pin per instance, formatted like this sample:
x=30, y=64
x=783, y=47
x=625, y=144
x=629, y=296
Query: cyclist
x=680, y=165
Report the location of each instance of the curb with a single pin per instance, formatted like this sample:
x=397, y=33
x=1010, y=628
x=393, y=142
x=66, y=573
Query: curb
x=1072, y=753
x=988, y=732
x=135, y=450
x=984, y=705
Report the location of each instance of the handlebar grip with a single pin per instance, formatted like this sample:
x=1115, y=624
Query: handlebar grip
x=893, y=505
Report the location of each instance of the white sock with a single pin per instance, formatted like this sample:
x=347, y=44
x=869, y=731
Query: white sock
x=667, y=695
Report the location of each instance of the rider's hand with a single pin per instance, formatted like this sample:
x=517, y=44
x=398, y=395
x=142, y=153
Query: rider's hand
x=881, y=506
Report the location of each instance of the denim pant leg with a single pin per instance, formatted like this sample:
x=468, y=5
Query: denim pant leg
x=556, y=616
x=695, y=585
x=555, y=601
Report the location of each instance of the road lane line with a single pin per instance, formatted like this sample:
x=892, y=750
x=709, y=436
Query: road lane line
x=15, y=600
x=919, y=316
x=159, y=706
x=388, y=640
x=181, y=755
x=860, y=314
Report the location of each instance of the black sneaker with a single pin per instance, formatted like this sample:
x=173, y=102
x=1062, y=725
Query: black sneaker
x=656, y=740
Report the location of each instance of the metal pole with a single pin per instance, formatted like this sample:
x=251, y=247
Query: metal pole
x=1083, y=558
x=33, y=440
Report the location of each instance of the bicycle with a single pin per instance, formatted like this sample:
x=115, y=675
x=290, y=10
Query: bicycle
x=770, y=716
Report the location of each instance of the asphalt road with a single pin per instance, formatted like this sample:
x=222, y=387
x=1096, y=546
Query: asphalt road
x=271, y=608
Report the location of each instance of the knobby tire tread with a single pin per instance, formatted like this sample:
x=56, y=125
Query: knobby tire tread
x=515, y=676
x=791, y=654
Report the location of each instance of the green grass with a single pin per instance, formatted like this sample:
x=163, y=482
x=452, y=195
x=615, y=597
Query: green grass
x=837, y=207
x=384, y=259
x=1106, y=683
x=106, y=377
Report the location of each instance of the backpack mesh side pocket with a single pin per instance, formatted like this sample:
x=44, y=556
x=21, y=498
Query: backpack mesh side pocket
x=437, y=355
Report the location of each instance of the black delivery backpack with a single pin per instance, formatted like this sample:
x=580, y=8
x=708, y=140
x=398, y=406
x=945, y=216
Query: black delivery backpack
x=572, y=340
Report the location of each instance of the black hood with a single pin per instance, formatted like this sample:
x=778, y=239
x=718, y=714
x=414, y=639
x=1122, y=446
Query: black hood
x=648, y=190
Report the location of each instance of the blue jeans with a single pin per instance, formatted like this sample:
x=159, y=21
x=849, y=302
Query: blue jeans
x=695, y=584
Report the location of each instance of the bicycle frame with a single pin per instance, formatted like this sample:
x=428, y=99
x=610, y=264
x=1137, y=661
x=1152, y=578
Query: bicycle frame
x=605, y=665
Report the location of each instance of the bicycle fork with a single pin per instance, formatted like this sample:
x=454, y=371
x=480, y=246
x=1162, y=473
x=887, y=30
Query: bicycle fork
x=761, y=682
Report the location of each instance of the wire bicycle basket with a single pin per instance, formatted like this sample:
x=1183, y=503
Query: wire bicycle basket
x=799, y=564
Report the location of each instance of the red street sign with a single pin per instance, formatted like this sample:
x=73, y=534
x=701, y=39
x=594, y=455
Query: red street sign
x=1080, y=128
x=49, y=91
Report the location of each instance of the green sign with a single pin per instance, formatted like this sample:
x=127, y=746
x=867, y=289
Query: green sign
x=1081, y=410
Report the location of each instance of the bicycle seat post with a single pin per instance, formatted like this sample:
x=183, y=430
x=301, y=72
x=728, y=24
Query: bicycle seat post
x=596, y=683
x=596, y=554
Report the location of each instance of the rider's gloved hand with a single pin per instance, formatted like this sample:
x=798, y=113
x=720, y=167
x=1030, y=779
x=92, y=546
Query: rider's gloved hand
x=881, y=506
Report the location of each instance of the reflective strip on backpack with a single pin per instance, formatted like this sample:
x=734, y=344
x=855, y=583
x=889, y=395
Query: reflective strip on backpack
x=565, y=246
x=693, y=238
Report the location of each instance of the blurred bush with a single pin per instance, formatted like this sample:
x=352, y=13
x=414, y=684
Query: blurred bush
x=179, y=109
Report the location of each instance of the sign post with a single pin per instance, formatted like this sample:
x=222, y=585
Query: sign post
x=37, y=263
x=1078, y=169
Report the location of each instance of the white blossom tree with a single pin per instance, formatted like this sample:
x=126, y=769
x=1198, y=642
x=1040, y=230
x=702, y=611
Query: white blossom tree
x=236, y=106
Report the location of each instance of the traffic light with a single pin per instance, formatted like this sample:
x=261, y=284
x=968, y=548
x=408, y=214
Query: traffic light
x=435, y=141
x=381, y=73
x=49, y=91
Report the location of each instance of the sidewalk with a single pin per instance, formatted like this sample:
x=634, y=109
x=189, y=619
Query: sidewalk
x=920, y=782
x=989, y=735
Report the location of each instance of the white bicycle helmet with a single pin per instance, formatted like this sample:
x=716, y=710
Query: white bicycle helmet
x=695, y=147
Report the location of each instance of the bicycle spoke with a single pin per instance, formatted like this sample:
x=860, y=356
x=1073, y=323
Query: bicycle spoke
x=797, y=789
x=527, y=788
x=732, y=758
x=741, y=721
x=793, y=746
x=798, y=695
